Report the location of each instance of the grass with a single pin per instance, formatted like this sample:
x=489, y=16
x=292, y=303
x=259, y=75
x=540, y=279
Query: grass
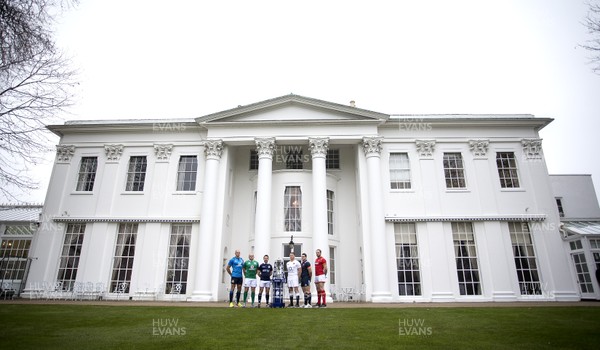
x=75, y=326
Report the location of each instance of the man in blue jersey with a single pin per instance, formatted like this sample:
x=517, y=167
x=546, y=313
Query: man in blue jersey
x=305, y=278
x=265, y=270
x=237, y=264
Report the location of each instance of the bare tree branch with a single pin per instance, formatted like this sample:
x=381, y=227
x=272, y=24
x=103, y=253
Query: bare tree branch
x=592, y=23
x=36, y=84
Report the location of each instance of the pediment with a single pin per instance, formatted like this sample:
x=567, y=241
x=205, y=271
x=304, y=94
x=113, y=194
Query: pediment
x=293, y=108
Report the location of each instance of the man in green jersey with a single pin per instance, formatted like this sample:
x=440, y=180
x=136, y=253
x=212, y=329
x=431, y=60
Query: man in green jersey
x=250, y=268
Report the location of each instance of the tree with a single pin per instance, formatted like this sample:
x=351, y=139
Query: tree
x=35, y=86
x=592, y=23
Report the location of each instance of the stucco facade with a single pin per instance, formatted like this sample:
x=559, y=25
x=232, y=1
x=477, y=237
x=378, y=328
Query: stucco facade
x=405, y=208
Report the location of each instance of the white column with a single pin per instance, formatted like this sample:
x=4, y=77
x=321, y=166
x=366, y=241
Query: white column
x=376, y=234
x=318, y=149
x=202, y=275
x=262, y=223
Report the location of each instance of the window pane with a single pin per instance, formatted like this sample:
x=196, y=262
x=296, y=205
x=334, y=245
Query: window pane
x=186, y=175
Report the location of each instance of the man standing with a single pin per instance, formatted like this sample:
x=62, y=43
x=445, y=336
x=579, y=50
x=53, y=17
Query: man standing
x=293, y=269
x=320, y=278
x=305, y=278
x=236, y=277
x=250, y=269
x=265, y=270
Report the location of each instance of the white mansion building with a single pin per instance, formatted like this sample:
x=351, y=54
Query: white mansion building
x=404, y=207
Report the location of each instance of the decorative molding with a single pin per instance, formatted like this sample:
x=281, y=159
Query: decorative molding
x=64, y=153
x=113, y=152
x=163, y=151
x=372, y=145
x=511, y=218
x=532, y=148
x=265, y=147
x=479, y=148
x=125, y=219
x=425, y=148
x=213, y=149
x=318, y=146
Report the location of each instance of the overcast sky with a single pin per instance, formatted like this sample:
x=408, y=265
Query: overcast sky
x=185, y=59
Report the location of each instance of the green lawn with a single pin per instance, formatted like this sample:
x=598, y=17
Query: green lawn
x=152, y=327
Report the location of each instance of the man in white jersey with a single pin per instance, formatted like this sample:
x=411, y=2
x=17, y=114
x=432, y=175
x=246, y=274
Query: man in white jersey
x=293, y=279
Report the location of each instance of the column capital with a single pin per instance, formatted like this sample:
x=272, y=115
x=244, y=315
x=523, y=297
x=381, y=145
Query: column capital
x=64, y=153
x=425, y=148
x=213, y=149
x=163, y=151
x=318, y=146
x=113, y=152
x=479, y=148
x=265, y=146
x=532, y=148
x=372, y=145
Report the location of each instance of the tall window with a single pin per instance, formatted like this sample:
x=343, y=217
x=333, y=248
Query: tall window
x=527, y=273
x=253, y=160
x=179, y=254
x=293, y=209
x=136, y=173
x=124, y=254
x=559, y=205
x=331, y=265
x=330, y=198
x=14, y=253
x=507, y=169
x=186, y=173
x=294, y=159
x=87, y=173
x=467, y=267
x=407, y=259
x=399, y=171
x=332, y=160
x=454, y=170
x=69, y=257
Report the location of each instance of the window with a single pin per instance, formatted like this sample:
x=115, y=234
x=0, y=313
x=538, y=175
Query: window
x=179, y=254
x=69, y=257
x=14, y=253
x=331, y=265
x=527, y=273
x=330, y=198
x=507, y=169
x=253, y=160
x=124, y=254
x=136, y=174
x=87, y=173
x=454, y=170
x=399, y=171
x=186, y=174
x=332, y=161
x=293, y=209
x=559, y=205
x=465, y=251
x=407, y=259
x=576, y=245
x=293, y=159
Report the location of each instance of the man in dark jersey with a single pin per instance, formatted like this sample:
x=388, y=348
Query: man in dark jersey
x=305, y=278
x=265, y=270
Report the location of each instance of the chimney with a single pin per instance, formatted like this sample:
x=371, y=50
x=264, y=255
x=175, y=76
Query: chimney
x=352, y=103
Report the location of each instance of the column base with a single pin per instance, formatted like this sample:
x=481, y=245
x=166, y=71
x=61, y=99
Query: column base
x=381, y=297
x=202, y=296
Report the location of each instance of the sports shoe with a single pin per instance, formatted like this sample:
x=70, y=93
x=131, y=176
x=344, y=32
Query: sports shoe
x=308, y=306
x=244, y=305
x=253, y=305
x=318, y=305
x=297, y=306
x=231, y=304
x=291, y=305
x=259, y=305
x=240, y=305
x=323, y=305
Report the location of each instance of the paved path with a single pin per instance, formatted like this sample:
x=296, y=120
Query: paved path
x=329, y=306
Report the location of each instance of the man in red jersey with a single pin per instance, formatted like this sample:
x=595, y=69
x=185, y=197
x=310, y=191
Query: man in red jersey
x=320, y=278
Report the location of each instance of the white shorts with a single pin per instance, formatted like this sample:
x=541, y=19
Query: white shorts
x=264, y=284
x=320, y=278
x=293, y=281
x=250, y=282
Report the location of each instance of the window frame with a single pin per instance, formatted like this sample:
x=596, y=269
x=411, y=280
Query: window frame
x=136, y=179
x=86, y=177
x=184, y=182
x=508, y=165
x=396, y=181
x=456, y=173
